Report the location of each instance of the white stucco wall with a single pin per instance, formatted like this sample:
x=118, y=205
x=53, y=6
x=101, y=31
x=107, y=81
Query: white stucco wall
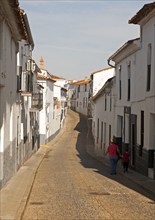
x=82, y=98
x=140, y=99
x=145, y=100
x=8, y=113
x=105, y=118
x=100, y=77
x=47, y=126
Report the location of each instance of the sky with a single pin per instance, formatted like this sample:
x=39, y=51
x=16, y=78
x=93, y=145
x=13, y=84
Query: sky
x=76, y=37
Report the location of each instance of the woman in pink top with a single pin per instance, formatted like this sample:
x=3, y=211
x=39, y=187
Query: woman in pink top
x=113, y=152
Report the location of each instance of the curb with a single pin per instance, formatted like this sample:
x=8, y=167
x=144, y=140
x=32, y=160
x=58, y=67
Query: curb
x=20, y=212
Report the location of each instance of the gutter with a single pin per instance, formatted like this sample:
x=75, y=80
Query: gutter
x=113, y=66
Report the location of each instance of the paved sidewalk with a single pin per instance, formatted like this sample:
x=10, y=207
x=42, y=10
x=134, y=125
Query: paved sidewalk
x=14, y=195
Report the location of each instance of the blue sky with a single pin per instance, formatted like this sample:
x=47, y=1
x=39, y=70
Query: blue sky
x=75, y=37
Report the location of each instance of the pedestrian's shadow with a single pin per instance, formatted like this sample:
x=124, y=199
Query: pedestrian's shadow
x=85, y=149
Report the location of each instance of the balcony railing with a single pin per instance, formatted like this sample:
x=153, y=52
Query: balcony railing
x=37, y=102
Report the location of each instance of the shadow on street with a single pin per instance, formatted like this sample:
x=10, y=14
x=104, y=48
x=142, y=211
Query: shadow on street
x=84, y=147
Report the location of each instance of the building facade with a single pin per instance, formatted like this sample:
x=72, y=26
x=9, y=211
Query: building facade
x=103, y=117
x=16, y=45
x=80, y=96
x=46, y=114
x=99, y=78
x=135, y=86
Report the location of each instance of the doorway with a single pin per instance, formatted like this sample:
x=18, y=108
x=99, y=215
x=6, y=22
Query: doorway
x=133, y=139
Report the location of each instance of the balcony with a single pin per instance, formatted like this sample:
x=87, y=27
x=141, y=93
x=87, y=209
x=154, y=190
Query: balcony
x=36, y=102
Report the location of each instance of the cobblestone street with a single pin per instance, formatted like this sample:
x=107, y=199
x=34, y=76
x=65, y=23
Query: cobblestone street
x=70, y=184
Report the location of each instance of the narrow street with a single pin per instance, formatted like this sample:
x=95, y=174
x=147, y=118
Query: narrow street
x=70, y=184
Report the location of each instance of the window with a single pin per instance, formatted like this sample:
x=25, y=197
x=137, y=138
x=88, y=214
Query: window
x=148, y=78
x=109, y=133
x=84, y=102
x=19, y=78
x=97, y=130
x=142, y=132
x=105, y=103
x=120, y=86
x=30, y=82
x=129, y=77
x=101, y=133
x=110, y=102
x=78, y=88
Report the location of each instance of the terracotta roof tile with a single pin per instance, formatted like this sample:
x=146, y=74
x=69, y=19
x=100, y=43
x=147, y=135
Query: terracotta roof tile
x=39, y=76
x=82, y=82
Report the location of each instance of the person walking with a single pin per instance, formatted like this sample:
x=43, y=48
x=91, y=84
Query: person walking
x=125, y=160
x=113, y=151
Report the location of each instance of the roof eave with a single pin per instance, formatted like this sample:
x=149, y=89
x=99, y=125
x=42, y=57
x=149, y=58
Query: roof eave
x=143, y=12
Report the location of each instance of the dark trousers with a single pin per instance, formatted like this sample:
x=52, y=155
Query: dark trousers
x=125, y=166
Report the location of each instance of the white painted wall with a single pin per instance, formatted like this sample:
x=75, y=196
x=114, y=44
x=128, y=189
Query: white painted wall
x=8, y=115
x=145, y=100
x=46, y=114
x=57, y=108
x=100, y=77
x=82, y=92
x=141, y=99
x=105, y=117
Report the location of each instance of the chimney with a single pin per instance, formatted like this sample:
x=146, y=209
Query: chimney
x=41, y=63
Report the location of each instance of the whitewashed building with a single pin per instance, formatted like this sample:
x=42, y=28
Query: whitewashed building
x=60, y=106
x=125, y=85
x=61, y=95
x=29, y=98
x=135, y=85
x=104, y=113
x=46, y=114
x=16, y=46
x=54, y=109
x=99, y=78
x=80, y=96
x=70, y=93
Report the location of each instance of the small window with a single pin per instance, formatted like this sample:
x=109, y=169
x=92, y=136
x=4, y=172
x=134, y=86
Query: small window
x=148, y=78
x=105, y=103
x=129, y=80
x=98, y=130
x=110, y=102
x=120, y=83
